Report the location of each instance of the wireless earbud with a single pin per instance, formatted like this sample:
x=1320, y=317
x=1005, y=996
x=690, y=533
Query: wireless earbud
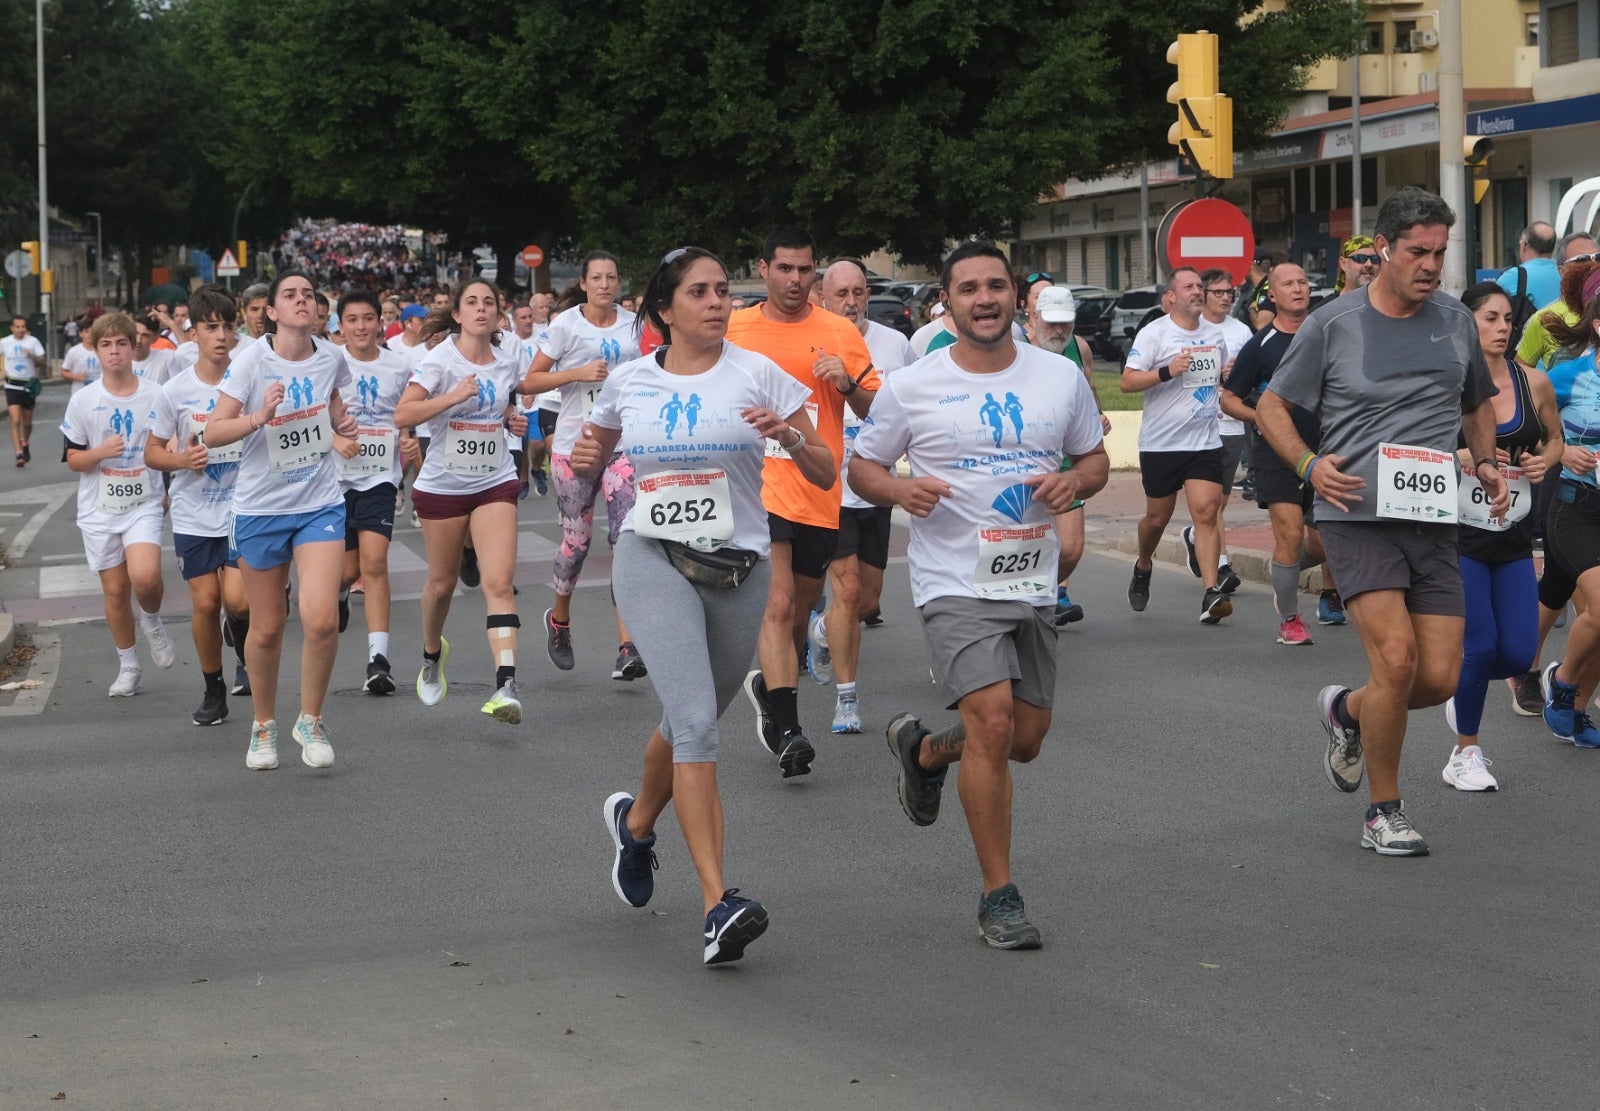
x=1386, y=254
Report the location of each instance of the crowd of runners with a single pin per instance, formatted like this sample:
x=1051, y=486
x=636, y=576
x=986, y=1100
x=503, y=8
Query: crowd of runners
x=749, y=461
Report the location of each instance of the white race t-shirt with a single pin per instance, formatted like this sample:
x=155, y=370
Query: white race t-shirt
x=1180, y=415
x=296, y=473
x=19, y=355
x=375, y=390
x=572, y=341
x=890, y=351
x=81, y=360
x=1235, y=334
x=520, y=352
x=550, y=400
x=157, y=368
x=202, y=501
x=94, y=415
x=693, y=455
x=467, y=446
x=984, y=434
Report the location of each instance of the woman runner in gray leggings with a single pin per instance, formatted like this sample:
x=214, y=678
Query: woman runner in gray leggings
x=694, y=416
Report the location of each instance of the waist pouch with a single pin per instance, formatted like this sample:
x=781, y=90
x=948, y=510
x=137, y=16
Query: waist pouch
x=1579, y=494
x=722, y=569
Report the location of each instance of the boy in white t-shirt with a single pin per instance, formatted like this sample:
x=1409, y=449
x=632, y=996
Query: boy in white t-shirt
x=24, y=358
x=119, y=502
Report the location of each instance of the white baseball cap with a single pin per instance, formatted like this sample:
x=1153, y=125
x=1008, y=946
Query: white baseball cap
x=1055, y=305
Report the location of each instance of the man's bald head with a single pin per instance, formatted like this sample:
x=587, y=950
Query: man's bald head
x=844, y=291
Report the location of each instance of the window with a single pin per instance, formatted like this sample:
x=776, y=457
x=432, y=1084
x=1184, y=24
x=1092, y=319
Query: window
x=1531, y=36
x=1373, y=42
x=1402, y=35
x=1563, y=42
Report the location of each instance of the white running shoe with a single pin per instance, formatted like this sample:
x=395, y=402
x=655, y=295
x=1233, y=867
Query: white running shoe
x=313, y=737
x=1450, y=715
x=127, y=684
x=819, y=661
x=1468, y=770
x=431, y=683
x=262, y=755
x=846, y=715
x=162, y=650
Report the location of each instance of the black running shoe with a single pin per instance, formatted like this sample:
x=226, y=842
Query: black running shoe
x=470, y=575
x=873, y=619
x=755, y=689
x=379, y=681
x=558, y=642
x=1227, y=579
x=1188, y=546
x=1139, y=589
x=635, y=860
x=920, y=791
x=241, y=681
x=732, y=925
x=1003, y=923
x=1214, y=606
x=344, y=610
x=796, y=756
x=214, y=707
x=1526, y=697
x=630, y=665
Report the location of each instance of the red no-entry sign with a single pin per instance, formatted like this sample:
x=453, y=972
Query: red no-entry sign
x=533, y=256
x=1208, y=233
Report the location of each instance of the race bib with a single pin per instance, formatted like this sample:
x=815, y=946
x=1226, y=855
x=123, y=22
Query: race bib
x=1474, y=507
x=1205, y=368
x=197, y=428
x=691, y=507
x=474, y=448
x=1017, y=562
x=777, y=451
x=1416, y=484
x=375, y=448
x=299, y=439
x=588, y=394
x=122, y=489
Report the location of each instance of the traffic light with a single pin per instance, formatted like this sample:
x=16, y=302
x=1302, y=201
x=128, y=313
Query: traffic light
x=1204, y=131
x=241, y=254
x=1476, y=152
x=32, y=247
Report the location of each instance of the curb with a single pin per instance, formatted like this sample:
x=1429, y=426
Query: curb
x=8, y=633
x=1248, y=563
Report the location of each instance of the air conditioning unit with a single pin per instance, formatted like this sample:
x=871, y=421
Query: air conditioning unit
x=1425, y=39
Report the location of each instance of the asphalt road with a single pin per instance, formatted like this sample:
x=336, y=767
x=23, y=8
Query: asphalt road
x=431, y=923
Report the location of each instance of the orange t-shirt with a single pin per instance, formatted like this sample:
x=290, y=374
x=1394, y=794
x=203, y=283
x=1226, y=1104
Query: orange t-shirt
x=795, y=347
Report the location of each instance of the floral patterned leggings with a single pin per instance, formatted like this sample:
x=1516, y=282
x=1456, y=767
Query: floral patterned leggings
x=575, y=499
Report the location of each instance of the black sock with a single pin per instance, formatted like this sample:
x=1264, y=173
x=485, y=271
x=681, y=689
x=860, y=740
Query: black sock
x=1341, y=712
x=432, y=657
x=214, y=681
x=240, y=627
x=785, y=708
x=1382, y=807
x=503, y=675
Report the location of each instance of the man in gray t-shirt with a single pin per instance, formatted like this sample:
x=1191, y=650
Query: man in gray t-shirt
x=1393, y=374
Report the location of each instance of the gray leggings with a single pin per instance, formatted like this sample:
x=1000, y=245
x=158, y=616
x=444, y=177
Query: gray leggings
x=697, y=641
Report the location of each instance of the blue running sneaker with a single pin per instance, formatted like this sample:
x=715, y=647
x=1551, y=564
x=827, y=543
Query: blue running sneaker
x=732, y=925
x=1560, y=713
x=635, y=860
x=1067, y=611
x=1584, y=733
x=1330, y=608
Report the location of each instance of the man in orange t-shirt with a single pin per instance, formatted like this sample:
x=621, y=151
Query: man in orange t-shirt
x=826, y=354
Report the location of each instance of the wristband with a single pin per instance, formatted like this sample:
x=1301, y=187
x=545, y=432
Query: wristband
x=1164, y=373
x=1307, y=461
x=848, y=390
x=1481, y=462
x=799, y=440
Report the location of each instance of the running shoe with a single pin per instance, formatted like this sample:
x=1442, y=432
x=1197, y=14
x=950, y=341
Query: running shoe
x=1139, y=589
x=379, y=678
x=920, y=791
x=1450, y=716
x=470, y=575
x=755, y=689
x=1344, y=762
x=540, y=483
x=156, y=638
x=796, y=755
x=819, y=661
x=1003, y=923
x=1189, y=550
x=213, y=707
x=846, y=715
x=1228, y=579
x=1293, y=631
x=1468, y=770
x=241, y=680
x=1214, y=606
x=1560, y=713
x=358, y=587
x=127, y=681
x=416, y=522
x=1526, y=699
x=431, y=683
x=522, y=492
x=732, y=925
x=27, y=453
x=1067, y=611
x=635, y=860
x=505, y=705
x=873, y=619
x=315, y=749
x=344, y=610
x=1584, y=733
x=262, y=755
x=1330, y=608
x=629, y=665
x=558, y=642
x=1391, y=833
x=21, y=462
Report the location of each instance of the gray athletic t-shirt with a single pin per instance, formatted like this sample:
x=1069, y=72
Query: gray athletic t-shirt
x=1372, y=379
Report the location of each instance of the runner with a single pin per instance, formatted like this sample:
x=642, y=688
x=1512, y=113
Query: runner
x=1501, y=588
x=154, y=356
x=284, y=398
x=1394, y=374
x=79, y=366
x=202, y=498
x=589, y=336
x=546, y=408
x=693, y=562
x=983, y=556
x=825, y=354
x=369, y=468
x=1218, y=310
x=1176, y=361
x=253, y=309
x=856, y=573
x=119, y=506
x=462, y=394
x=25, y=358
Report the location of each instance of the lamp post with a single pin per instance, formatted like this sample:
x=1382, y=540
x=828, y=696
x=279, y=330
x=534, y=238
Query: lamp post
x=99, y=258
x=45, y=282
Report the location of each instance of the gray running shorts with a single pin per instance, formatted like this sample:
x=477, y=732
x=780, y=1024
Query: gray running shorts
x=1421, y=560
x=974, y=643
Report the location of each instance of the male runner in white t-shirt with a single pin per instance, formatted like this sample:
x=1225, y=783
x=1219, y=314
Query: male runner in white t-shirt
x=25, y=358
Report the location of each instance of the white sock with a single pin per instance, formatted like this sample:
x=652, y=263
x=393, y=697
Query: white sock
x=1222, y=561
x=377, y=645
x=847, y=690
x=128, y=657
x=147, y=618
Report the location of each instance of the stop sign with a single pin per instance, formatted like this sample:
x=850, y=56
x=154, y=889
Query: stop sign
x=533, y=256
x=1206, y=234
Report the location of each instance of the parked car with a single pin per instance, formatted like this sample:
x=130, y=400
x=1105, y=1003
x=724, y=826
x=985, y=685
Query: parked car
x=891, y=312
x=1127, y=312
x=907, y=291
x=1092, y=312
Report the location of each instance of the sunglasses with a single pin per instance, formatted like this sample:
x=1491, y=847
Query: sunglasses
x=673, y=256
x=1582, y=258
x=1364, y=260
x=1041, y=276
